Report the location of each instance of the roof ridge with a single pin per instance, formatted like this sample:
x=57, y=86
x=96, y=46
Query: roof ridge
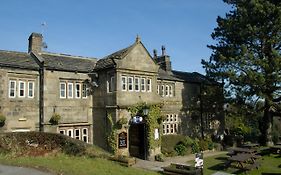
x=126, y=49
x=68, y=55
x=11, y=51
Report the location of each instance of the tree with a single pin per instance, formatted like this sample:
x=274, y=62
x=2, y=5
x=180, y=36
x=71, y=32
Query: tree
x=247, y=57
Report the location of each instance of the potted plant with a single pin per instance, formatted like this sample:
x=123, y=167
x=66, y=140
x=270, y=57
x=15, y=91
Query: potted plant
x=2, y=120
x=54, y=120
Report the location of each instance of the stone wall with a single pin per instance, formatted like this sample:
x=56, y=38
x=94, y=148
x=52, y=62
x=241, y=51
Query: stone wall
x=22, y=113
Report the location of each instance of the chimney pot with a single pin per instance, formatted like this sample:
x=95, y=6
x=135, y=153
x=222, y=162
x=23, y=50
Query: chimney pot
x=163, y=48
x=154, y=53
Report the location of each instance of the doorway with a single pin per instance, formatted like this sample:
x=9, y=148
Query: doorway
x=138, y=140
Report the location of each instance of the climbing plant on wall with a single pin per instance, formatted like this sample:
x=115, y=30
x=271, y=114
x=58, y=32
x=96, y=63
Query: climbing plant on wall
x=153, y=121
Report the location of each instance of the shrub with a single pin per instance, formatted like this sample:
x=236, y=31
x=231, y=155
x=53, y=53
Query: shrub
x=18, y=143
x=195, y=148
x=168, y=143
x=159, y=158
x=2, y=120
x=181, y=149
x=54, y=120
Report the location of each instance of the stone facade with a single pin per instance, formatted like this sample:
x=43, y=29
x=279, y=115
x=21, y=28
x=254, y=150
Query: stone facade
x=84, y=92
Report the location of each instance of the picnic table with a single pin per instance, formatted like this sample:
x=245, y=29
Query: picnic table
x=238, y=150
x=244, y=161
x=251, y=145
x=276, y=149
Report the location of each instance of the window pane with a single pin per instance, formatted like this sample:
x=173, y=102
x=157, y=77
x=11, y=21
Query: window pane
x=143, y=84
x=167, y=90
x=21, y=89
x=78, y=90
x=137, y=84
x=130, y=83
x=84, y=91
x=148, y=87
x=124, y=83
x=62, y=90
x=30, y=89
x=70, y=90
x=12, y=89
x=171, y=91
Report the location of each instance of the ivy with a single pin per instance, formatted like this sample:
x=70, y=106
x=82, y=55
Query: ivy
x=153, y=121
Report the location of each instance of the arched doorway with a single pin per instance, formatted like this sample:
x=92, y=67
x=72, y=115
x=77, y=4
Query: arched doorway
x=138, y=140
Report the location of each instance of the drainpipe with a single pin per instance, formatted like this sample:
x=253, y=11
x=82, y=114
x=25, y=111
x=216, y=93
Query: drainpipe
x=41, y=98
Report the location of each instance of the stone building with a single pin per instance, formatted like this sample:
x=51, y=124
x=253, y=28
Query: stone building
x=84, y=92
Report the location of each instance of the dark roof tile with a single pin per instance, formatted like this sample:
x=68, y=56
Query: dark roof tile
x=68, y=62
x=17, y=60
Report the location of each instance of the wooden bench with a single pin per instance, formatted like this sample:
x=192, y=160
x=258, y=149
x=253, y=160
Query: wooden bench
x=255, y=165
x=180, y=169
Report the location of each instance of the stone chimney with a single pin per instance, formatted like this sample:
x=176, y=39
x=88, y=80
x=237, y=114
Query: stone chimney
x=35, y=43
x=164, y=61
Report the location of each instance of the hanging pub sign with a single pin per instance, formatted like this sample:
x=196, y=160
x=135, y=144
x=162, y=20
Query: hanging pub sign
x=122, y=140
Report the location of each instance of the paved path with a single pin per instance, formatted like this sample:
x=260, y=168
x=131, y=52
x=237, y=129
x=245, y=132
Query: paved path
x=157, y=166
x=12, y=170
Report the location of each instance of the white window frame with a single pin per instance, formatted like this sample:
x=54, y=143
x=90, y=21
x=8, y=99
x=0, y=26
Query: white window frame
x=71, y=133
x=142, y=84
x=85, y=135
x=162, y=90
x=167, y=90
x=77, y=91
x=130, y=84
x=171, y=91
x=148, y=85
x=137, y=84
x=69, y=90
x=78, y=137
x=62, y=90
x=124, y=83
x=21, y=89
x=14, y=89
x=30, y=89
x=158, y=89
x=84, y=91
x=62, y=131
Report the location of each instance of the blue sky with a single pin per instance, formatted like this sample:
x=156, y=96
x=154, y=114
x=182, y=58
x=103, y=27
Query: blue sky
x=97, y=28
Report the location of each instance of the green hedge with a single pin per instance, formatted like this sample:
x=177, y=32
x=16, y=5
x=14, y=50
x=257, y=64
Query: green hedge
x=22, y=143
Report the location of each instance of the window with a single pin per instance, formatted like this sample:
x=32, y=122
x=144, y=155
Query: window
x=30, y=89
x=12, y=89
x=78, y=90
x=167, y=91
x=137, y=84
x=142, y=84
x=77, y=134
x=111, y=84
x=167, y=129
x=170, y=125
x=21, y=89
x=70, y=133
x=85, y=135
x=148, y=85
x=62, y=90
x=62, y=132
x=124, y=83
x=158, y=89
x=171, y=91
x=162, y=90
x=70, y=90
x=130, y=83
x=84, y=90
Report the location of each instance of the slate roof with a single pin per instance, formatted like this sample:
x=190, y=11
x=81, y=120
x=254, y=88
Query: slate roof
x=68, y=62
x=17, y=60
x=190, y=77
x=108, y=61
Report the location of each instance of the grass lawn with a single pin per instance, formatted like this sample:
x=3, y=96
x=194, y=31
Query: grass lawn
x=269, y=164
x=70, y=165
